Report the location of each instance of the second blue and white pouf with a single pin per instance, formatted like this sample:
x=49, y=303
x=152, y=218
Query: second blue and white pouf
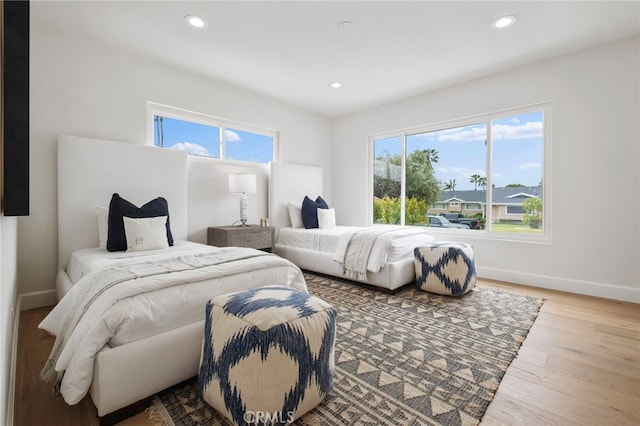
x=447, y=268
x=267, y=352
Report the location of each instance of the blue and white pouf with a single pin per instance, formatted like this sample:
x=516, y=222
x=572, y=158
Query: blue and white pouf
x=267, y=355
x=445, y=268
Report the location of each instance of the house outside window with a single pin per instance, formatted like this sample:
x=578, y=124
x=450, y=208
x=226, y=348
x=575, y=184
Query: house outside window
x=207, y=136
x=491, y=166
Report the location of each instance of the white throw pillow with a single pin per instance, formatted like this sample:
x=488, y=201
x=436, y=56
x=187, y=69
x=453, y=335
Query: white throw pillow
x=326, y=218
x=102, y=215
x=295, y=215
x=147, y=233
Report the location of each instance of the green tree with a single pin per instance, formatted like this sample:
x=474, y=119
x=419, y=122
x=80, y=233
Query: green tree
x=514, y=185
x=450, y=185
x=483, y=182
x=533, y=212
x=478, y=180
x=386, y=178
x=421, y=181
x=422, y=189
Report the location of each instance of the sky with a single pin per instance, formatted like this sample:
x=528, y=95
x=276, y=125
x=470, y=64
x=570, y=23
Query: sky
x=202, y=139
x=517, y=150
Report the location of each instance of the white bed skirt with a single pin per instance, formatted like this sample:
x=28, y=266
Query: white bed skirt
x=392, y=275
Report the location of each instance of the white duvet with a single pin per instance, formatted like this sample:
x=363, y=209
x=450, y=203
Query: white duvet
x=140, y=297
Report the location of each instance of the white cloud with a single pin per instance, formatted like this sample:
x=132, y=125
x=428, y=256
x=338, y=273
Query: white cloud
x=458, y=170
x=463, y=134
x=231, y=136
x=530, y=129
x=191, y=148
x=529, y=166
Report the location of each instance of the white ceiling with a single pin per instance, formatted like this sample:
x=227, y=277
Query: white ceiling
x=292, y=50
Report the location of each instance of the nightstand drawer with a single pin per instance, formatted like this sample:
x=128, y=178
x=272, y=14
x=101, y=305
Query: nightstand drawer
x=259, y=237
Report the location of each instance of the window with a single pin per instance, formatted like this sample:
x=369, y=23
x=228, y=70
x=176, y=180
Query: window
x=207, y=136
x=473, y=206
x=387, y=178
x=515, y=210
x=493, y=165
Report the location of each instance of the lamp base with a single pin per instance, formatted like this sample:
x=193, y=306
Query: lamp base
x=244, y=205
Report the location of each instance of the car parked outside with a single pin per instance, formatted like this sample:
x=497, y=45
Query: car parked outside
x=443, y=222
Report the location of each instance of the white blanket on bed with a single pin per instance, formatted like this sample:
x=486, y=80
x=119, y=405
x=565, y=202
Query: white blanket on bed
x=82, y=323
x=367, y=249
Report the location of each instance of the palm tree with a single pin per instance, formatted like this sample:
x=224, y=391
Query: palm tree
x=450, y=186
x=483, y=182
x=478, y=180
x=432, y=155
x=159, y=129
x=475, y=180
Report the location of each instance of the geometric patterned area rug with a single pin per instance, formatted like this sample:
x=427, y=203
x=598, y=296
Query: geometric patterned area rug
x=409, y=358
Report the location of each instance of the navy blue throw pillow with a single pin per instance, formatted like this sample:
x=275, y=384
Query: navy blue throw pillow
x=310, y=211
x=119, y=207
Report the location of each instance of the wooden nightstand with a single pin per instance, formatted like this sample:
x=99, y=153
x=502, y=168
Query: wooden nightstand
x=254, y=236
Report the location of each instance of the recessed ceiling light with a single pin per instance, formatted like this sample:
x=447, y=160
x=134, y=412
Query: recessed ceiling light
x=346, y=26
x=195, y=21
x=335, y=84
x=504, y=22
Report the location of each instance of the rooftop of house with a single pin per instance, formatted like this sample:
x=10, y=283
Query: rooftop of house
x=500, y=195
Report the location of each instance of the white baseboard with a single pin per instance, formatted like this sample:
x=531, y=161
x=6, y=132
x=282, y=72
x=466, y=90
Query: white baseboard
x=38, y=299
x=11, y=397
x=24, y=301
x=589, y=288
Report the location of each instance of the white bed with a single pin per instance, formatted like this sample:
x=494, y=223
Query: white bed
x=164, y=347
x=320, y=250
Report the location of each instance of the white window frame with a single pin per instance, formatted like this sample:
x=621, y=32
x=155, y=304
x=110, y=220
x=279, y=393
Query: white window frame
x=545, y=107
x=154, y=108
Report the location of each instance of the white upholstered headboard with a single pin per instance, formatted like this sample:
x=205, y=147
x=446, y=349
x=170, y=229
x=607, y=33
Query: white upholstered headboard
x=91, y=170
x=290, y=183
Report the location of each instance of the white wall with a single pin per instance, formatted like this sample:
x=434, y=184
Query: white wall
x=595, y=161
x=8, y=295
x=81, y=88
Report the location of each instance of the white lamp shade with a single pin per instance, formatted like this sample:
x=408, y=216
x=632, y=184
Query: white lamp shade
x=242, y=184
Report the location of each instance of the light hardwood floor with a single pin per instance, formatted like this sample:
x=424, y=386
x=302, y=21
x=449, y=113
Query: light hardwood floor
x=580, y=364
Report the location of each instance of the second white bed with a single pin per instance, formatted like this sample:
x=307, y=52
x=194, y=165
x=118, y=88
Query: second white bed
x=390, y=264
